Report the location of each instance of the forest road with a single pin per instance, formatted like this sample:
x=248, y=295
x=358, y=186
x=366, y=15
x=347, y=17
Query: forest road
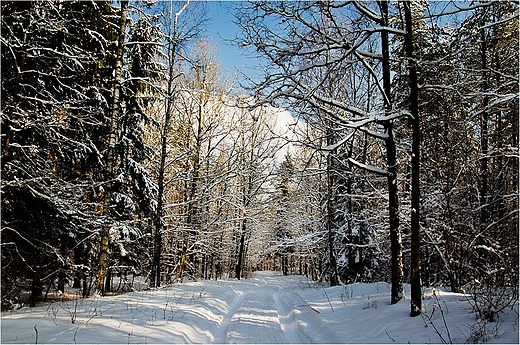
x=258, y=315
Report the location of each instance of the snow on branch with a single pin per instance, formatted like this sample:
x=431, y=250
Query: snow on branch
x=361, y=7
x=368, y=167
x=505, y=20
x=332, y=147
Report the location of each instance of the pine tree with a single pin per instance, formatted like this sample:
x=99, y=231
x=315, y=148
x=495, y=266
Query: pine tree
x=52, y=116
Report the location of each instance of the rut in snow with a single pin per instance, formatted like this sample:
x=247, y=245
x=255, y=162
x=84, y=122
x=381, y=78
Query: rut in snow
x=257, y=316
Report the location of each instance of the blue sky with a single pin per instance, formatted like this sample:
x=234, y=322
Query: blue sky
x=221, y=30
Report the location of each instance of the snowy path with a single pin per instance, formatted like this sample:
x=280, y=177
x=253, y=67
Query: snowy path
x=269, y=308
x=255, y=321
x=257, y=316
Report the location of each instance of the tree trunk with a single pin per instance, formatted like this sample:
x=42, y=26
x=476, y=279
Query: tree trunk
x=110, y=158
x=172, y=49
x=62, y=279
x=484, y=140
x=108, y=280
x=329, y=219
x=155, y=280
x=193, y=209
x=183, y=262
x=393, y=198
x=415, y=270
x=240, y=253
x=36, y=289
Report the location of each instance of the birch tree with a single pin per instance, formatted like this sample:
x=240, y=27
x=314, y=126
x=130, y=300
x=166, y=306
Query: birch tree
x=173, y=41
x=110, y=158
x=200, y=105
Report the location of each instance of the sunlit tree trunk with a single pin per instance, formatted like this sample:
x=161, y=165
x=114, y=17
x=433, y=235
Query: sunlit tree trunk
x=193, y=207
x=241, y=247
x=246, y=199
x=111, y=164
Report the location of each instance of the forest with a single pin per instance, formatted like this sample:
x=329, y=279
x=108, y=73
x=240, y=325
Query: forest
x=126, y=152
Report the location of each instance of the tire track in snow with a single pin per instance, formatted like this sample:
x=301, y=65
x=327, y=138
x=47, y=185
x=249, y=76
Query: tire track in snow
x=287, y=321
x=257, y=315
x=256, y=320
x=220, y=334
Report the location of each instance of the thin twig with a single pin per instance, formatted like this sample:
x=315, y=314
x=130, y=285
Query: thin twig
x=36, y=330
x=443, y=318
x=392, y=339
x=307, y=304
x=328, y=300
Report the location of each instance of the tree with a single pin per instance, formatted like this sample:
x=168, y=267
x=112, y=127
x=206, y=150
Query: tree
x=495, y=106
x=314, y=49
x=174, y=40
x=256, y=146
x=391, y=157
x=52, y=113
x=454, y=124
x=489, y=92
x=283, y=217
x=416, y=295
x=82, y=151
x=110, y=158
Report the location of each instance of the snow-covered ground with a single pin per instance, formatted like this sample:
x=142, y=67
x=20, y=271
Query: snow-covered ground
x=268, y=308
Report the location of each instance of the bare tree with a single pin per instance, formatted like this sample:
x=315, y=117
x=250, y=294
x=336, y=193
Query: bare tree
x=173, y=41
x=316, y=37
x=256, y=146
x=181, y=25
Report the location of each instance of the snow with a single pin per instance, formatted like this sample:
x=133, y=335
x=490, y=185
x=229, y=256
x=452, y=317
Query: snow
x=268, y=308
x=368, y=167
